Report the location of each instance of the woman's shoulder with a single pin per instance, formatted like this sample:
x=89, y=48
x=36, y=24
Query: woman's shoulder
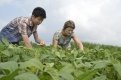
x=58, y=32
x=73, y=34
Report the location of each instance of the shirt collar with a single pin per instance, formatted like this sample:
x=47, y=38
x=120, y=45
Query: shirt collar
x=30, y=22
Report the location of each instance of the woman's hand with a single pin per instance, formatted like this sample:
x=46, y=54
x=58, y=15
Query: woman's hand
x=42, y=42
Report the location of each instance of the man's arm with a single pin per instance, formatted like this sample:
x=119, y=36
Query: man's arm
x=37, y=39
x=78, y=42
x=26, y=41
x=23, y=31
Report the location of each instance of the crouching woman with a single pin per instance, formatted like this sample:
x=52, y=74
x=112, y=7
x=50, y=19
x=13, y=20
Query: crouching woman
x=64, y=36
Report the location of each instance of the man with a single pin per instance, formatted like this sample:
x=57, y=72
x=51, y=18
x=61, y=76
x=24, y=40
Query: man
x=21, y=28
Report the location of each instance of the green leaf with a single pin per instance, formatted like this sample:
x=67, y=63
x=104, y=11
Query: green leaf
x=45, y=76
x=11, y=66
x=102, y=77
x=49, y=64
x=68, y=68
x=10, y=76
x=58, y=54
x=1, y=47
x=87, y=75
x=6, y=53
x=5, y=42
x=100, y=64
x=26, y=76
x=117, y=66
x=14, y=58
x=32, y=63
x=53, y=73
x=66, y=76
x=66, y=71
x=78, y=72
x=1, y=76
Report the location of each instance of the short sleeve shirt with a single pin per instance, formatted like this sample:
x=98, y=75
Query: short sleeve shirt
x=62, y=41
x=17, y=27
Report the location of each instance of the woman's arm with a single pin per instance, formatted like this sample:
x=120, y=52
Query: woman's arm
x=78, y=42
x=54, y=43
x=55, y=39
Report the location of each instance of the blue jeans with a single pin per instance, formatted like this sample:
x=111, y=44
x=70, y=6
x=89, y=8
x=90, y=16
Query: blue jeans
x=9, y=34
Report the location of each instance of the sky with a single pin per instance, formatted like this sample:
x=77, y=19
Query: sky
x=97, y=21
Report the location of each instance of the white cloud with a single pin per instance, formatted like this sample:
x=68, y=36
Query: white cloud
x=3, y=2
x=96, y=20
x=2, y=24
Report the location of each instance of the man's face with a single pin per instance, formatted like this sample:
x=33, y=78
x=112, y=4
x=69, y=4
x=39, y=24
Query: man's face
x=37, y=20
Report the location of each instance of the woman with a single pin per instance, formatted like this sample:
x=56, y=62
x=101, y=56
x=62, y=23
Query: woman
x=63, y=38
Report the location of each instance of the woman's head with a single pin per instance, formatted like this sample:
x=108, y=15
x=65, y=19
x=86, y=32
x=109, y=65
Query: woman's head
x=68, y=27
x=69, y=24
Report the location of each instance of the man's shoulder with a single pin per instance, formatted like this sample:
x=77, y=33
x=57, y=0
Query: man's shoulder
x=21, y=18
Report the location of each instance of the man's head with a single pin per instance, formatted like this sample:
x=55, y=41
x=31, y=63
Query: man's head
x=38, y=15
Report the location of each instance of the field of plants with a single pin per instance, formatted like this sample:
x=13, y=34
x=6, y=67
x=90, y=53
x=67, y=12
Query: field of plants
x=96, y=62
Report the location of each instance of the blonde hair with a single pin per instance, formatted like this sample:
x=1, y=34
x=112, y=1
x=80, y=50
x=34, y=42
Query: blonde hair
x=70, y=24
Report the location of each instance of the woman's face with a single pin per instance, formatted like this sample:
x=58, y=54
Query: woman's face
x=68, y=31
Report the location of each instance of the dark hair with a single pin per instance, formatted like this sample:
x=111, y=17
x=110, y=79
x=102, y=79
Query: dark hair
x=39, y=12
x=70, y=24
